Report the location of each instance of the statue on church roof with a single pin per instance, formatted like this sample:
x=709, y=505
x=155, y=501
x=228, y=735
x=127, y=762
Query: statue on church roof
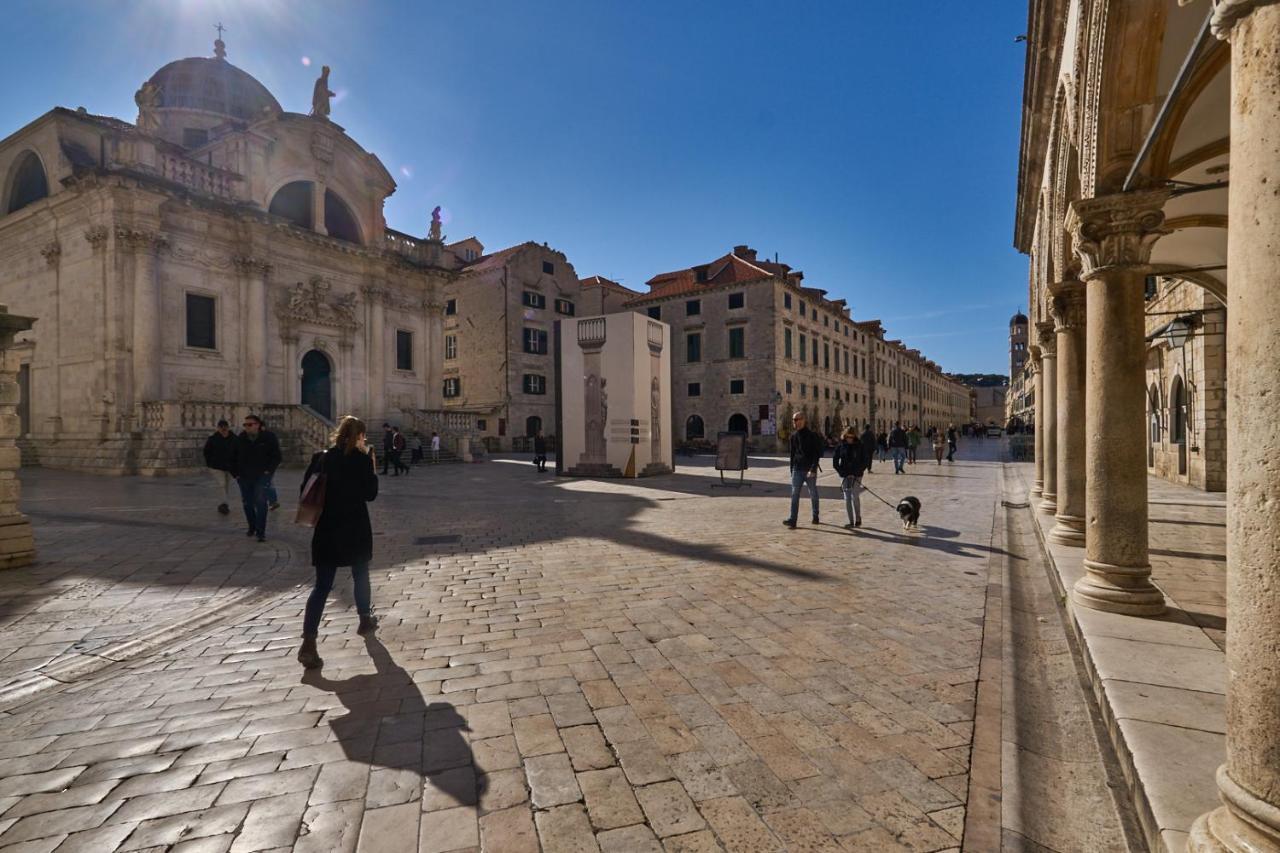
x=148, y=99
x=320, y=95
x=436, y=222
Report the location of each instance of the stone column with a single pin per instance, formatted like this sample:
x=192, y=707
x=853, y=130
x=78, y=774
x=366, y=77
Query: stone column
x=254, y=356
x=1069, y=314
x=292, y=369
x=1037, y=391
x=52, y=255
x=1047, y=416
x=435, y=355
x=377, y=352
x=17, y=546
x=1249, y=782
x=317, y=208
x=148, y=313
x=1113, y=236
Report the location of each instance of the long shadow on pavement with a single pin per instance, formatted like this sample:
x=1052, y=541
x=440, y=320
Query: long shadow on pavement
x=390, y=724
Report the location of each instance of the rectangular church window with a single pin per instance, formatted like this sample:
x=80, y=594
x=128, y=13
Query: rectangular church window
x=404, y=350
x=201, y=321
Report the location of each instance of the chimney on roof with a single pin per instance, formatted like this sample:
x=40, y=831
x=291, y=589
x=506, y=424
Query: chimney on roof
x=745, y=252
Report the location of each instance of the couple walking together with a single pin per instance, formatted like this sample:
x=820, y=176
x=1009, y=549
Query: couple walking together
x=851, y=461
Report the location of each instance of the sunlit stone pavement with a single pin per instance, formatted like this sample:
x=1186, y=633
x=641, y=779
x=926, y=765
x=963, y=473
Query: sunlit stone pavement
x=563, y=665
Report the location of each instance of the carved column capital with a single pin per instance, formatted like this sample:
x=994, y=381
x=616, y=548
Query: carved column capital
x=1048, y=339
x=96, y=236
x=247, y=265
x=1226, y=13
x=139, y=240
x=52, y=251
x=1068, y=304
x=1116, y=230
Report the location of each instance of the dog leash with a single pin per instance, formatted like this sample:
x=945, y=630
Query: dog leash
x=877, y=497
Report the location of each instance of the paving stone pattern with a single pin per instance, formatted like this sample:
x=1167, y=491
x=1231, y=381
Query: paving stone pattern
x=594, y=665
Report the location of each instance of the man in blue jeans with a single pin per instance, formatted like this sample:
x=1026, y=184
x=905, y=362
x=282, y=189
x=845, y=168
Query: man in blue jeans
x=806, y=453
x=256, y=458
x=898, y=447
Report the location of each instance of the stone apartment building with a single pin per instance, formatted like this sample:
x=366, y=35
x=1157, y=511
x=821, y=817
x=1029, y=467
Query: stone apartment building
x=499, y=347
x=908, y=388
x=599, y=295
x=753, y=345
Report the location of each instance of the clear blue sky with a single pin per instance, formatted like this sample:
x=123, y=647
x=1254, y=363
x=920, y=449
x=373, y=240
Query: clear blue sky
x=872, y=145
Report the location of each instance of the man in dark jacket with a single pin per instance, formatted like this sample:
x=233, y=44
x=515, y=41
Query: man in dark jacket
x=868, y=440
x=850, y=462
x=951, y=443
x=256, y=459
x=397, y=451
x=540, y=451
x=806, y=453
x=898, y=447
x=219, y=455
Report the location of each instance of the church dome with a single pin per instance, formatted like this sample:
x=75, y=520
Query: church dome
x=212, y=85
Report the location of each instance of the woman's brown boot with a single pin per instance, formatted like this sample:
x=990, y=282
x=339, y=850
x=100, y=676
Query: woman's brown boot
x=368, y=624
x=308, y=656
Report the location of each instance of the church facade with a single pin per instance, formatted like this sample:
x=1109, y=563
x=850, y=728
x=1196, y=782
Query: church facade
x=219, y=255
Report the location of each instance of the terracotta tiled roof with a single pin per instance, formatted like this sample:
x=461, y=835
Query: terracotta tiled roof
x=495, y=260
x=607, y=284
x=729, y=269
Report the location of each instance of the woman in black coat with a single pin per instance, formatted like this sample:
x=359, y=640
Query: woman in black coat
x=343, y=535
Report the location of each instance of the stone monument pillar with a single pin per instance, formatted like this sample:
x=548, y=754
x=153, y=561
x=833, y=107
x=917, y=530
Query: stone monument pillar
x=17, y=546
x=1047, y=417
x=1069, y=314
x=1037, y=391
x=1113, y=236
x=1249, y=782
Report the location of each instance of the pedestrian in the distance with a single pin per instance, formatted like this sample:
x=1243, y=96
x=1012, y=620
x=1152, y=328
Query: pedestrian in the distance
x=415, y=448
x=256, y=459
x=387, y=439
x=397, y=451
x=951, y=443
x=882, y=444
x=913, y=443
x=939, y=445
x=850, y=464
x=806, y=454
x=540, y=451
x=868, y=441
x=219, y=456
x=343, y=535
x=898, y=446
x=435, y=448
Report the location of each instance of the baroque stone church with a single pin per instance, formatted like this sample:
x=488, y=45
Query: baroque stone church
x=219, y=255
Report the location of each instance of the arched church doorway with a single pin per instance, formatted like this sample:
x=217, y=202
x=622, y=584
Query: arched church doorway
x=739, y=423
x=317, y=383
x=532, y=425
x=1153, y=423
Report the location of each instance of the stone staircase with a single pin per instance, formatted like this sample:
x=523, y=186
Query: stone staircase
x=171, y=440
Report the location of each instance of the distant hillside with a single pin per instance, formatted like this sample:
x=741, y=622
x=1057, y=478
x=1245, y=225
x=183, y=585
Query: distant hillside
x=981, y=380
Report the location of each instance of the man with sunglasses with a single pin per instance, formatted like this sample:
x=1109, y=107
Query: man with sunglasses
x=256, y=458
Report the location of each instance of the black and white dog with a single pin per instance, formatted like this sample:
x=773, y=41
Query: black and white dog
x=909, y=512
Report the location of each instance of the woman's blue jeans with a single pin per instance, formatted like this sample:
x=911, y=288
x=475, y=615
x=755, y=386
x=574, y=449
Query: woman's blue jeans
x=320, y=592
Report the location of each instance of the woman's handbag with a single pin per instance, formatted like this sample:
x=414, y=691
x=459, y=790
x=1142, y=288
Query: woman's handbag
x=311, y=503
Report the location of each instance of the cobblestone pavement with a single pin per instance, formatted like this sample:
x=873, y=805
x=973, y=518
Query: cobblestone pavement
x=565, y=665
